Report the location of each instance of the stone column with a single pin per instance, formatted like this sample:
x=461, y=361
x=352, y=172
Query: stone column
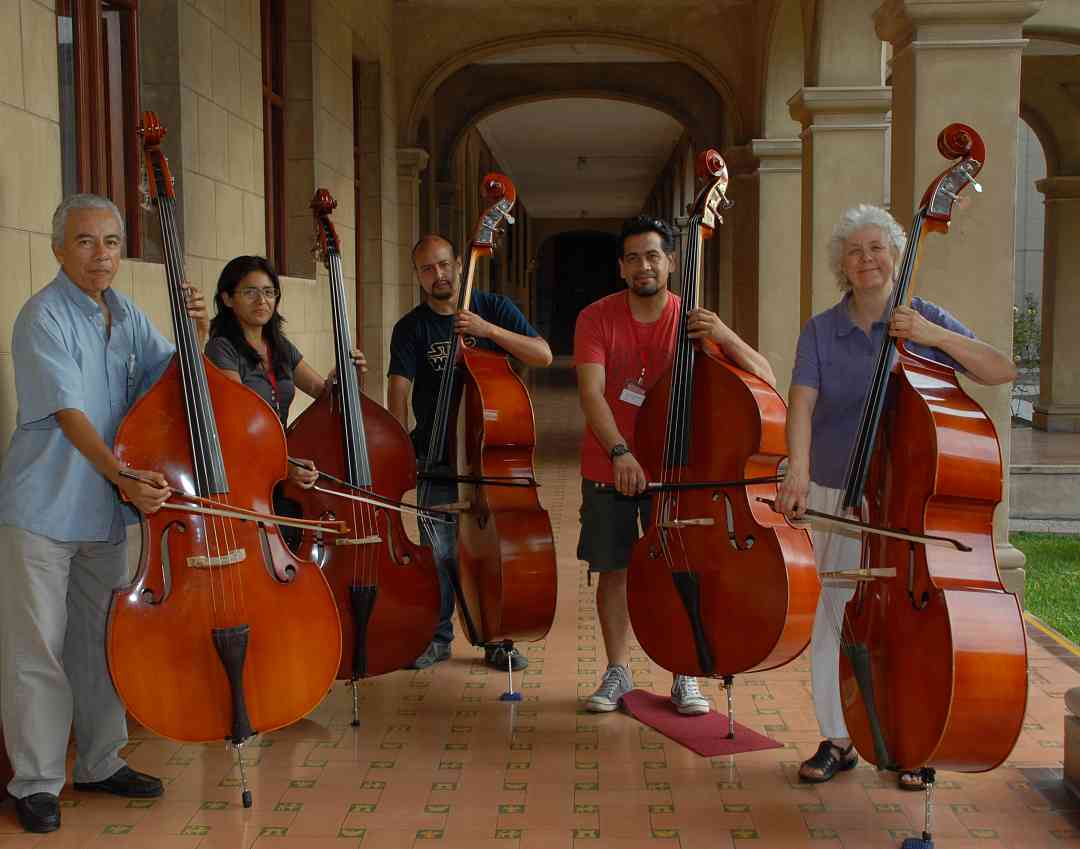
x=450, y=214
x=968, y=53
x=1058, y=408
x=412, y=161
x=779, y=185
x=732, y=261
x=843, y=164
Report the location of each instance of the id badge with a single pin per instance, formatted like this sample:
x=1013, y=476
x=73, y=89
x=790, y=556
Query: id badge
x=633, y=393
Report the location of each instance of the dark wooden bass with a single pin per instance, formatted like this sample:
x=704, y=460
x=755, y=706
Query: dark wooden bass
x=386, y=587
x=719, y=584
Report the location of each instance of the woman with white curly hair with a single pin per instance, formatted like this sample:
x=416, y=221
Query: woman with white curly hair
x=834, y=363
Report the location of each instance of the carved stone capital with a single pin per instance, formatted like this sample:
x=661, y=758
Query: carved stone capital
x=839, y=104
x=778, y=155
x=1059, y=188
x=411, y=161
x=898, y=21
x=740, y=160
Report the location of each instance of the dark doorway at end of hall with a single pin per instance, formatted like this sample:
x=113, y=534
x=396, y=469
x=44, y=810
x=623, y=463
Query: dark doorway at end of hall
x=574, y=269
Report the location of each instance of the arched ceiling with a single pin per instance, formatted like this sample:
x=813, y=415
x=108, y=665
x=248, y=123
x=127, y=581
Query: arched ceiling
x=579, y=125
x=581, y=156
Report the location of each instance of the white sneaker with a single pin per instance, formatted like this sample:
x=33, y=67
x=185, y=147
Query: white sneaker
x=687, y=698
x=614, y=685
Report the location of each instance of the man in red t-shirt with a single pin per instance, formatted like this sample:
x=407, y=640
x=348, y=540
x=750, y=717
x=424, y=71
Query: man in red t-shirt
x=623, y=344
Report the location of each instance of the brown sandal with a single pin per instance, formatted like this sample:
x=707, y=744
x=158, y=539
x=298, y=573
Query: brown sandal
x=826, y=761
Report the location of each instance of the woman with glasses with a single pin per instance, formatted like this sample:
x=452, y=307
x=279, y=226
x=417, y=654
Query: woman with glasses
x=247, y=343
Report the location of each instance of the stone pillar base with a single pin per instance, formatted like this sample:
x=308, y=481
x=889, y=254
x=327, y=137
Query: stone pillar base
x=1072, y=753
x=1057, y=418
x=1011, y=561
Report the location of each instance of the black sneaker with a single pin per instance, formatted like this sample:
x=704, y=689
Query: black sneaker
x=436, y=652
x=495, y=657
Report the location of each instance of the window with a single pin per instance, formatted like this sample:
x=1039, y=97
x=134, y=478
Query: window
x=99, y=104
x=273, y=74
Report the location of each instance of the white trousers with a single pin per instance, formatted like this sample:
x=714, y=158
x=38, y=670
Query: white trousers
x=54, y=605
x=833, y=550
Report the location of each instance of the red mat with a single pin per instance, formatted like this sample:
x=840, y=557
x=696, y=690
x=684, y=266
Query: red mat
x=706, y=735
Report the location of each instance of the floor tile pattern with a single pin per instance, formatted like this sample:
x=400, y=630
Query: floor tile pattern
x=439, y=762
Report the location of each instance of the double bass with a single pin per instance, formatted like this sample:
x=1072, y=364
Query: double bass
x=223, y=633
x=719, y=584
x=386, y=587
x=485, y=430
x=933, y=663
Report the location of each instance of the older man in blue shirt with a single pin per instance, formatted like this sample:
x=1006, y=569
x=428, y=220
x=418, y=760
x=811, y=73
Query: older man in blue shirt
x=82, y=353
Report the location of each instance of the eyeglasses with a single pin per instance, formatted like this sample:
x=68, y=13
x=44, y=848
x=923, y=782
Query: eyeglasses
x=251, y=294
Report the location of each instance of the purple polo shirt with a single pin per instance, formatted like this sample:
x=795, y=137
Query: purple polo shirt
x=837, y=358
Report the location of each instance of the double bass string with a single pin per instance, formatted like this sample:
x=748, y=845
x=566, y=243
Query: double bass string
x=200, y=420
x=364, y=516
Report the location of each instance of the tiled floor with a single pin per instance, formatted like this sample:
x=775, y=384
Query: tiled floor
x=440, y=762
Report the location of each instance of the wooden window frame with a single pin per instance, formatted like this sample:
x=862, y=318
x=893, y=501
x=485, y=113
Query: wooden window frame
x=272, y=27
x=92, y=107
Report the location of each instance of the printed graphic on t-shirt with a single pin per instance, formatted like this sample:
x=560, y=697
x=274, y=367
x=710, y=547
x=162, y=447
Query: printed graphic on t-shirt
x=439, y=351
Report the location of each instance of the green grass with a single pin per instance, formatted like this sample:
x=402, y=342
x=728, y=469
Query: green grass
x=1052, y=590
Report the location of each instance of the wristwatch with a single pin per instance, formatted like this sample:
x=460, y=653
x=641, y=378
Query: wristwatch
x=617, y=450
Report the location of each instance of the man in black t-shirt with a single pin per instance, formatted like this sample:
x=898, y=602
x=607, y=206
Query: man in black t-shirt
x=419, y=350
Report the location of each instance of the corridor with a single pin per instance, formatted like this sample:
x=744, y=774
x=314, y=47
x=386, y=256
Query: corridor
x=440, y=762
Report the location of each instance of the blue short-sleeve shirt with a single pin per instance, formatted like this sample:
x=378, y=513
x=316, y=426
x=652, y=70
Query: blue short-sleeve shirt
x=64, y=361
x=835, y=357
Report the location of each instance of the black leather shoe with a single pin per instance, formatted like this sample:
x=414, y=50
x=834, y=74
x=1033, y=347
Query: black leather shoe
x=38, y=812
x=125, y=782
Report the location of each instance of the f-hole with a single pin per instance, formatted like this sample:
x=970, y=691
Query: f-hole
x=925, y=598
x=147, y=595
x=744, y=544
x=288, y=574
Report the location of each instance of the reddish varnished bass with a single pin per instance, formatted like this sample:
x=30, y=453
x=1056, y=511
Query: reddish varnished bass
x=386, y=587
x=939, y=641
x=506, y=554
x=719, y=584
x=223, y=633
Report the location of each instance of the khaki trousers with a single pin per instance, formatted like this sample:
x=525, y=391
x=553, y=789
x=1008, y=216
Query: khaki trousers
x=54, y=604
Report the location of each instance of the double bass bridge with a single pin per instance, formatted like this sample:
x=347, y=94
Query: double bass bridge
x=204, y=561
x=705, y=521
x=371, y=540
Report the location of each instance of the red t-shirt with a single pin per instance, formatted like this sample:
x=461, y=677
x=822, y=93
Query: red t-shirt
x=607, y=334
